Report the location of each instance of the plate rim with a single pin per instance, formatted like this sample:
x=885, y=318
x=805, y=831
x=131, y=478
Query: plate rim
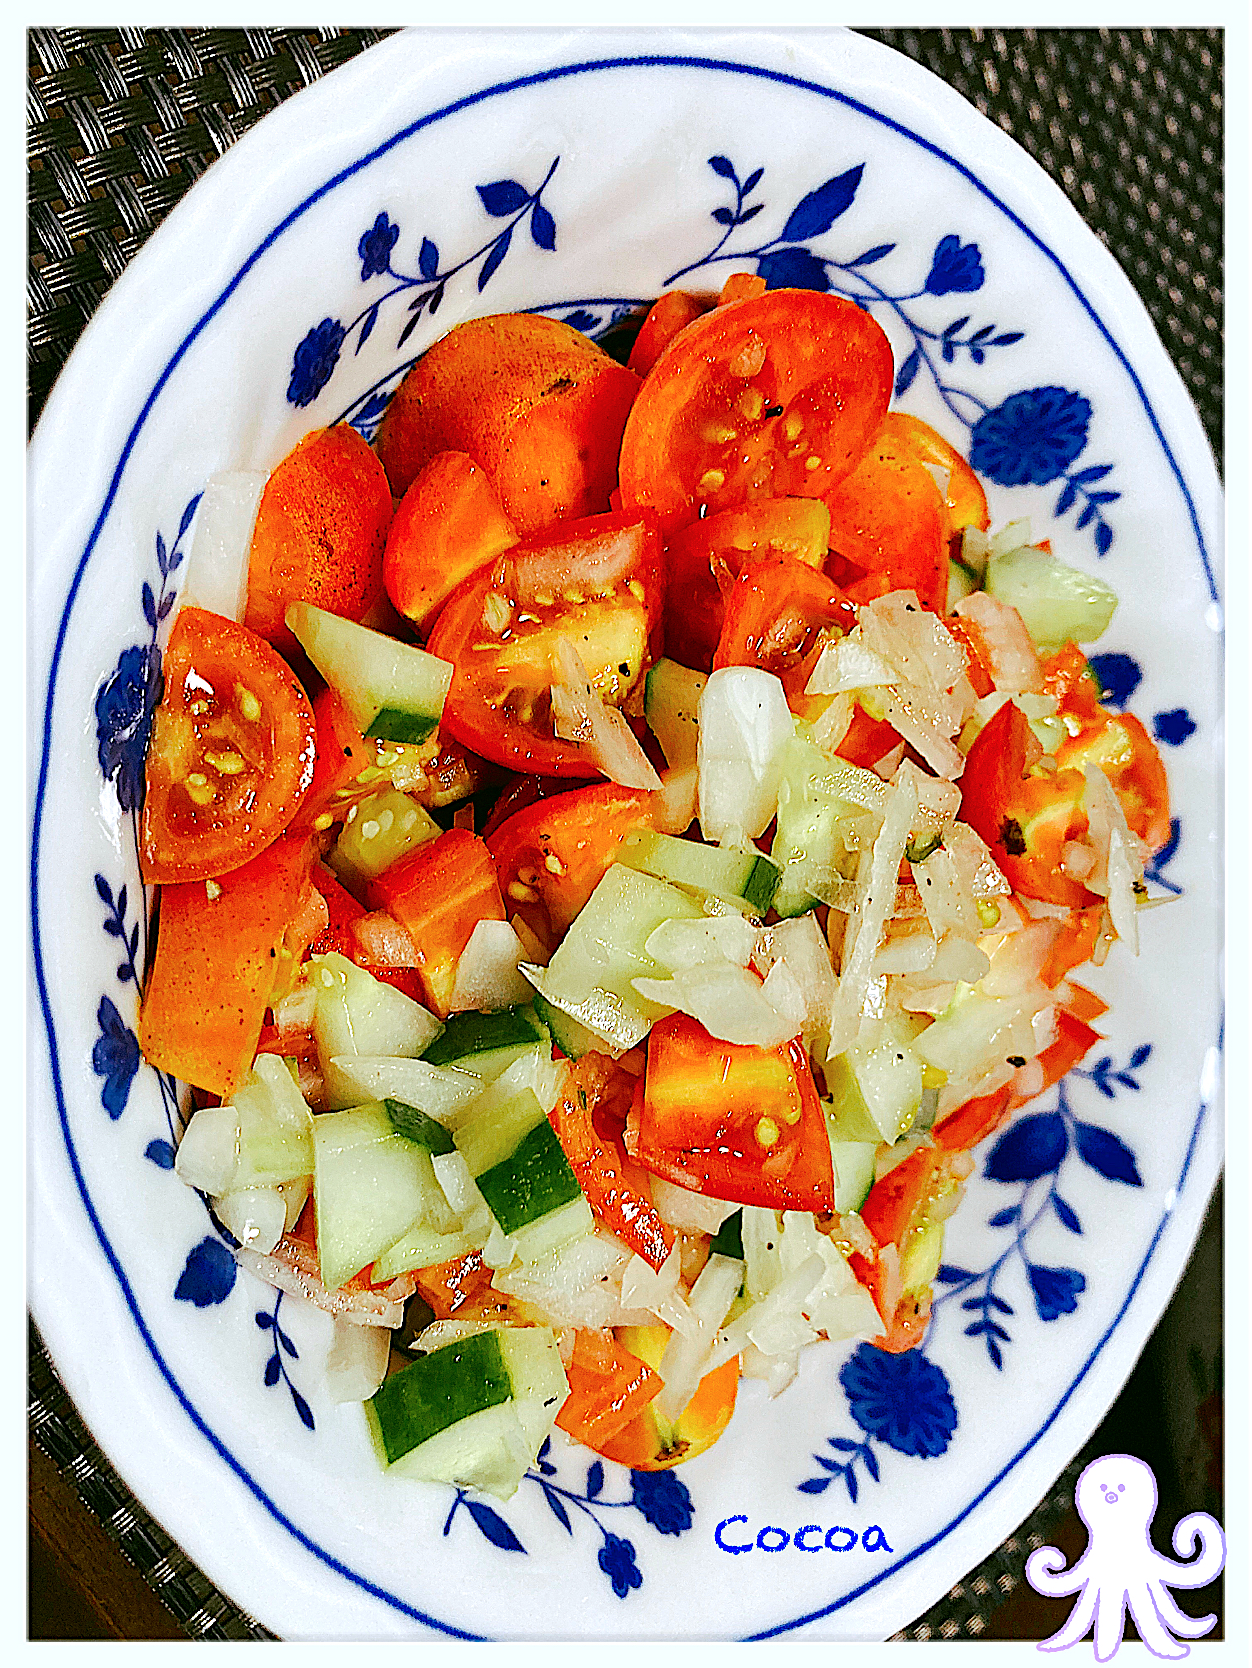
x=917, y=77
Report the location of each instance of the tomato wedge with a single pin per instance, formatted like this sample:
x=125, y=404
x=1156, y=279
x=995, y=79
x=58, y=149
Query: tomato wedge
x=589, y=1117
x=889, y=527
x=553, y=854
x=717, y=548
x=671, y=313
x=775, y=396
x=447, y=526
x=218, y=952
x=342, y=753
x=778, y=616
x=964, y=501
x=598, y=582
x=608, y=1389
x=231, y=755
x=732, y=1120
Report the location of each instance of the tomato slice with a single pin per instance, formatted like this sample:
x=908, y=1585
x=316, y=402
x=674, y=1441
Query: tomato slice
x=866, y=739
x=600, y=583
x=439, y=895
x=965, y=501
x=608, y=1388
x=889, y=528
x=231, y=754
x=589, y=1118
x=342, y=753
x=1124, y=751
x=447, y=526
x=976, y=668
x=1025, y=820
x=733, y=1120
x=721, y=545
x=216, y=961
x=775, y=396
x=319, y=534
x=778, y=616
x=671, y=313
x=553, y=854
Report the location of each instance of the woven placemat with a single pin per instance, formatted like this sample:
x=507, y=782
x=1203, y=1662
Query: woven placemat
x=123, y=121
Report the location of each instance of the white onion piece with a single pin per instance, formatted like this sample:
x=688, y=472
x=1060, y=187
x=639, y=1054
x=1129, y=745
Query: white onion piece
x=897, y=627
x=217, y=568
x=256, y=1216
x=356, y=1363
x=745, y=724
x=848, y=665
x=1014, y=535
x=688, y=1211
x=727, y=1000
x=682, y=1366
x=486, y=974
x=382, y=941
x=678, y=799
x=1004, y=642
x=785, y=1296
x=907, y=718
x=679, y=944
x=361, y=1308
x=295, y=1011
x=208, y=1154
x=1118, y=864
x=579, y=715
x=645, y=1287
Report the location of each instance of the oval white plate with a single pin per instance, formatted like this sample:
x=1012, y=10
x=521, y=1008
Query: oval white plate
x=579, y=174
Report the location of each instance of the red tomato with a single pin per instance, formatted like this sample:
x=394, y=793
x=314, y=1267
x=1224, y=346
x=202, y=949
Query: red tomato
x=965, y=501
x=439, y=894
x=976, y=668
x=1074, y=1039
x=342, y=752
x=1025, y=820
x=216, y=959
x=448, y=525
x=589, y=1118
x=670, y=314
x=553, y=854
x=319, y=534
x=972, y=1122
x=866, y=739
x=778, y=615
x=608, y=1388
x=729, y=1119
x=741, y=286
x=711, y=551
x=771, y=397
x=231, y=753
x=600, y=583
x=888, y=526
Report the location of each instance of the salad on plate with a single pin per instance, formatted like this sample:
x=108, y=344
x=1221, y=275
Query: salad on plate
x=623, y=839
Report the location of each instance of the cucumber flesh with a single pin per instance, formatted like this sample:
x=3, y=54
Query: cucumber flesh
x=1058, y=603
x=439, y=1091
x=486, y=1043
x=739, y=876
x=490, y=1134
x=369, y=1185
x=854, y=1172
x=394, y=691
x=818, y=830
x=671, y=702
x=356, y=1013
x=381, y=829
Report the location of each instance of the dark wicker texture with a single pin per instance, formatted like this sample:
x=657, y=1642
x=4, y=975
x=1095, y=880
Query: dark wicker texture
x=122, y=121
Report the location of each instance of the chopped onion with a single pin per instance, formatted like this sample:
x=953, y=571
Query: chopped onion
x=679, y=944
x=727, y=1000
x=678, y=799
x=361, y=1308
x=256, y=1216
x=744, y=725
x=685, y=1209
x=579, y=715
x=217, y=568
x=683, y=1364
x=645, y=1287
x=294, y=1012
x=1118, y=865
x=913, y=639
x=486, y=974
x=1003, y=642
x=208, y=1154
x=848, y=665
x=356, y=1363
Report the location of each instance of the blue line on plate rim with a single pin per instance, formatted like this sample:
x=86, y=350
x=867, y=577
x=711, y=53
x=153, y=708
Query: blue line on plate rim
x=518, y=84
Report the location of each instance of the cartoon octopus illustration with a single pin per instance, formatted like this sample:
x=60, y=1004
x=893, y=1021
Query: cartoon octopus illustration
x=1121, y=1570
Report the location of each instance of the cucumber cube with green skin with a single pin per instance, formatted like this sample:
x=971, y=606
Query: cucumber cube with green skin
x=414, y=1125
x=738, y=876
x=887, y=1074
x=440, y=1091
x=490, y=1134
x=533, y=1181
x=569, y=1034
x=439, y=1390
x=817, y=829
x=671, y=703
x=486, y=1043
x=369, y=1185
x=1058, y=604
x=394, y=691
x=853, y=1163
x=381, y=829
x=590, y=974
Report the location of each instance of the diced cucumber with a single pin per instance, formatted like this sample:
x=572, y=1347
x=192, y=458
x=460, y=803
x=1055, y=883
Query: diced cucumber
x=728, y=1240
x=381, y=829
x=424, y=1247
x=569, y=1034
x=533, y=1181
x=543, y=1240
x=356, y=1013
x=538, y=1378
x=590, y=974
x=854, y=1172
x=920, y=1259
x=440, y=1091
x=962, y=581
x=888, y=1073
x=394, y=691
x=847, y=1116
x=489, y=1136
x=486, y=1043
x=438, y=1391
x=414, y=1125
x=1057, y=603
x=670, y=704
x=743, y=877
x=275, y=1127
x=819, y=826
x=369, y=1184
